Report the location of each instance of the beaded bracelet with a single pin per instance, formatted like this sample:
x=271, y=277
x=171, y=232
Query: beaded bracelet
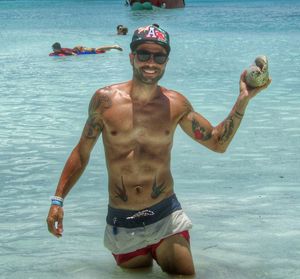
x=55, y=200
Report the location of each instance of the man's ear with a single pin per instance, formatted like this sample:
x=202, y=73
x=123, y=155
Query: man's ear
x=131, y=57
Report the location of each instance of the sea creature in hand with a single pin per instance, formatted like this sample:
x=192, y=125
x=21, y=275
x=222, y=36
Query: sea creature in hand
x=258, y=73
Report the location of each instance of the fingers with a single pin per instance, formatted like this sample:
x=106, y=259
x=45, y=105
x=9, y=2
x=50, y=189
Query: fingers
x=60, y=228
x=268, y=83
x=55, y=220
x=260, y=88
x=51, y=226
x=243, y=75
x=243, y=85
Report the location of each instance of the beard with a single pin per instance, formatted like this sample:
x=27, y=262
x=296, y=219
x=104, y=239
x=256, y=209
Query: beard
x=139, y=74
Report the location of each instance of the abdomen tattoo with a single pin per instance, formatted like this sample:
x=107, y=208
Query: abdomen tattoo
x=157, y=189
x=121, y=191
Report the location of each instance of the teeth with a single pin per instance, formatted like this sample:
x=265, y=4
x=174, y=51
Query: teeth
x=149, y=71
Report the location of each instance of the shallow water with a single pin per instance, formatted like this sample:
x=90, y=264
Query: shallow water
x=244, y=204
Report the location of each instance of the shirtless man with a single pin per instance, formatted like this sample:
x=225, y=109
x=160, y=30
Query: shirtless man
x=137, y=120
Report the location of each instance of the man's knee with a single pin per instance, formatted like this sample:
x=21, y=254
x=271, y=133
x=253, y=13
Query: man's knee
x=179, y=269
x=174, y=256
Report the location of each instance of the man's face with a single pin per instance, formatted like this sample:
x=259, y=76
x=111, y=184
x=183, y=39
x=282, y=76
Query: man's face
x=149, y=62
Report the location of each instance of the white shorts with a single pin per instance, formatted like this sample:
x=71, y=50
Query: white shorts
x=127, y=231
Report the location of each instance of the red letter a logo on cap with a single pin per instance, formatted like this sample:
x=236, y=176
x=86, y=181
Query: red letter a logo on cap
x=151, y=33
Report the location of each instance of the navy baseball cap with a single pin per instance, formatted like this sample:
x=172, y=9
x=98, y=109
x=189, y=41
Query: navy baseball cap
x=151, y=33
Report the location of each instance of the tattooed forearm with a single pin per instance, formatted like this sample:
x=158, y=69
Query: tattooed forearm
x=238, y=115
x=200, y=133
x=228, y=127
x=157, y=189
x=121, y=191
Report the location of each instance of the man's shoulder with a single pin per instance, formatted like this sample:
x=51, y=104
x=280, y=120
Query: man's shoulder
x=104, y=90
x=178, y=101
x=173, y=94
x=109, y=89
x=113, y=90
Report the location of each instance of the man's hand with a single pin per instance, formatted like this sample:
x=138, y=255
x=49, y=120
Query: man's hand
x=55, y=220
x=247, y=91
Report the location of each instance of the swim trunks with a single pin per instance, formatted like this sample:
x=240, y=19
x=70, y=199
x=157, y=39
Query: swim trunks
x=130, y=230
x=150, y=249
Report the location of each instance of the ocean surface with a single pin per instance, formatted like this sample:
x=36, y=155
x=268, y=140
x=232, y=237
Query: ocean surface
x=244, y=204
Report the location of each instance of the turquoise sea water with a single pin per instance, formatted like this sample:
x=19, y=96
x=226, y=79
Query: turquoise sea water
x=244, y=204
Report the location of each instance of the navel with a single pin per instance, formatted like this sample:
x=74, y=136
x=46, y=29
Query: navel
x=138, y=189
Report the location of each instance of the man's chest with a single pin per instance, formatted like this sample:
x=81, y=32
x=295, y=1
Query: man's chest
x=140, y=123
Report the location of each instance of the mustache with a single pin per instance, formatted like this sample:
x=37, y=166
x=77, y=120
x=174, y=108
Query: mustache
x=150, y=68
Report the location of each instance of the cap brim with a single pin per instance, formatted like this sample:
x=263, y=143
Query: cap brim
x=135, y=44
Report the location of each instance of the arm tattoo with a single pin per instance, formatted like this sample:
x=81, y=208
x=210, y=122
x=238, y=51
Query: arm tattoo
x=157, y=189
x=100, y=102
x=238, y=115
x=121, y=191
x=93, y=128
x=199, y=132
x=98, y=105
x=188, y=106
x=228, y=126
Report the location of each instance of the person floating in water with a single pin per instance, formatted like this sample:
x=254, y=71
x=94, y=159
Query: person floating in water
x=137, y=120
x=77, y=50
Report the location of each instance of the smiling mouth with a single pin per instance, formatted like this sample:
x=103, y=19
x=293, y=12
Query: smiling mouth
x=149, y=71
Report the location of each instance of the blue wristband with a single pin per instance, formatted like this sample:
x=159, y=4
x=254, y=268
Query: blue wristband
x=56, y=202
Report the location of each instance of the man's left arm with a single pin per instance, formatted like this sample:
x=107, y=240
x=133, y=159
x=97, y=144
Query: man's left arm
x=218, y=138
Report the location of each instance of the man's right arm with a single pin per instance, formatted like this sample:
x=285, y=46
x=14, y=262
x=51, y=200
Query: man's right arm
x=76, y=163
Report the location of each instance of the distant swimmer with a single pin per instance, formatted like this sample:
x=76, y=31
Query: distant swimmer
x=77, y=50
x=122, y=30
